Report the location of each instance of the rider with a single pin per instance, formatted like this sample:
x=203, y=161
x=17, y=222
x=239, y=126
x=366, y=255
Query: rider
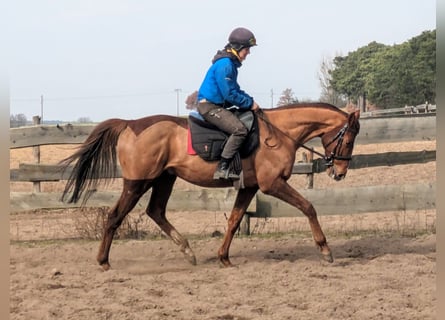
x=220, y=95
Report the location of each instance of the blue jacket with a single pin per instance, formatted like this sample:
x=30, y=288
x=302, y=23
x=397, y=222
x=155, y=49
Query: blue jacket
x=220, y=84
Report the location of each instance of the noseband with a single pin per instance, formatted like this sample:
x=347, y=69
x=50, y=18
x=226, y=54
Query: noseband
x=333, y=156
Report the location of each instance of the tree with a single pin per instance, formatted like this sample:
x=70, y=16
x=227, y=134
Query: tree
x=405, y=74
x=350, y=73
x=328, y=94
x=287, y=97
x=389, y=76
x=84, y=120
x=422, y=53
x=17, y=120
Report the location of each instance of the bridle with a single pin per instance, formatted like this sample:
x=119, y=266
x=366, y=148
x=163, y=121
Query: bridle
x=328, y=159
x=333, y=156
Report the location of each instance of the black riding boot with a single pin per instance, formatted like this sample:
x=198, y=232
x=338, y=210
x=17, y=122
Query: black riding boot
x=223, y=171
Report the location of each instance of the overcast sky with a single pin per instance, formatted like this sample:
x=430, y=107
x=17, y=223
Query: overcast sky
x=103, y=59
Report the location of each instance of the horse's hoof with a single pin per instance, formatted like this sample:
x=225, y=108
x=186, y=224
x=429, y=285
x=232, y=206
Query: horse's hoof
x=225, y=263
x=105, y=266
x=327, y=257
x=190, y=256
x=326, y=253
x=191, y=259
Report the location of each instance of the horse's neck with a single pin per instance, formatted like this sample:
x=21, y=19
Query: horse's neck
x=304, y=124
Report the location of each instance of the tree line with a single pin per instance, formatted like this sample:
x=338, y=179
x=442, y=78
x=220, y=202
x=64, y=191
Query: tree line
x=20, y=120
x=385, y=76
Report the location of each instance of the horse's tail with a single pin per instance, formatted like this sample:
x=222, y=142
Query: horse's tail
x=96, y=160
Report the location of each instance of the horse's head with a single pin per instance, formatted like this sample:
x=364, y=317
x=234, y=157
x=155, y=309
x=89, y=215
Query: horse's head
x=338, y=145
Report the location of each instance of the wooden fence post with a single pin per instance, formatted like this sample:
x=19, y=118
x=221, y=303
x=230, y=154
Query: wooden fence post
x=309, y=176
x=244, y=227
x=36, y=154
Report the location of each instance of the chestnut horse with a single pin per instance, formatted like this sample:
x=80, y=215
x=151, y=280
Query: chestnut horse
x=152, y=153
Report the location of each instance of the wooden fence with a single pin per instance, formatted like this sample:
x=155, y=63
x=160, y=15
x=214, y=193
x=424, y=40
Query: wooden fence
x=332, y=201
x=406, y=110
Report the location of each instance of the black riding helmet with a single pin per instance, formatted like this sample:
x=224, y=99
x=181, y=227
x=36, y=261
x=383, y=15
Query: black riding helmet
x=241, y=38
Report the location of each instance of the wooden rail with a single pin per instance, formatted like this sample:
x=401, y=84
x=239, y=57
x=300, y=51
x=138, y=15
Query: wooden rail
x=326, y=201
x=47, y=172
x=406, y=110
x=354, y=200
x=372, y=130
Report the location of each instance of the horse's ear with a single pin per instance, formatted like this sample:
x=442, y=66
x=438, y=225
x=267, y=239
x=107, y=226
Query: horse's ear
x=353, y=120
x=357, y=114
x=354, y=116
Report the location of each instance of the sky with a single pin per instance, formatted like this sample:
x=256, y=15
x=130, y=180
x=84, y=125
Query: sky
x=101, y=59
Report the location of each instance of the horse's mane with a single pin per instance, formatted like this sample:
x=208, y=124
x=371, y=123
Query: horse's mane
x=318, y=105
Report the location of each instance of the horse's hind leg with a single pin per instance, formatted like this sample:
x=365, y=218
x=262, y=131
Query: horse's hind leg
x=161, y=191
x=131, y=193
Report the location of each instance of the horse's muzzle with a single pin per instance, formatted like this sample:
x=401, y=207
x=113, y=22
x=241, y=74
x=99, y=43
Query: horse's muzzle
x=334, y=175
x=339, y=176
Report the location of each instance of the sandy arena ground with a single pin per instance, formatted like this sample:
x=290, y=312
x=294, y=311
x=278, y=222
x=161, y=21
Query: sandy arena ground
x=384, y=268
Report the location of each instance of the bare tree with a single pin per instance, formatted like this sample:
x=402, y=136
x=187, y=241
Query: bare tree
x=328, y=94
x=17, y=120
x=287, y=97
x=84, y=120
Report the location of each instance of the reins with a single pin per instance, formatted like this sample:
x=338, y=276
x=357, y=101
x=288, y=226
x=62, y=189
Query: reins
x=328, y=159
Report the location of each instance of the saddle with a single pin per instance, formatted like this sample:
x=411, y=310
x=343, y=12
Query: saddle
x=207, y=141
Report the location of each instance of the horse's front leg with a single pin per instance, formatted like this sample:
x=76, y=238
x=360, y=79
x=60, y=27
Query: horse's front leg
x=283, y=191
x=242, y=201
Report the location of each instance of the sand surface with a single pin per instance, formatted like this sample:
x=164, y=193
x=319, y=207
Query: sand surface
x=384, y=268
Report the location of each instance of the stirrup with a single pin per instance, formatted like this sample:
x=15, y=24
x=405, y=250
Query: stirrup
x=225, y=174
x=220, y=174
x=233, y=176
